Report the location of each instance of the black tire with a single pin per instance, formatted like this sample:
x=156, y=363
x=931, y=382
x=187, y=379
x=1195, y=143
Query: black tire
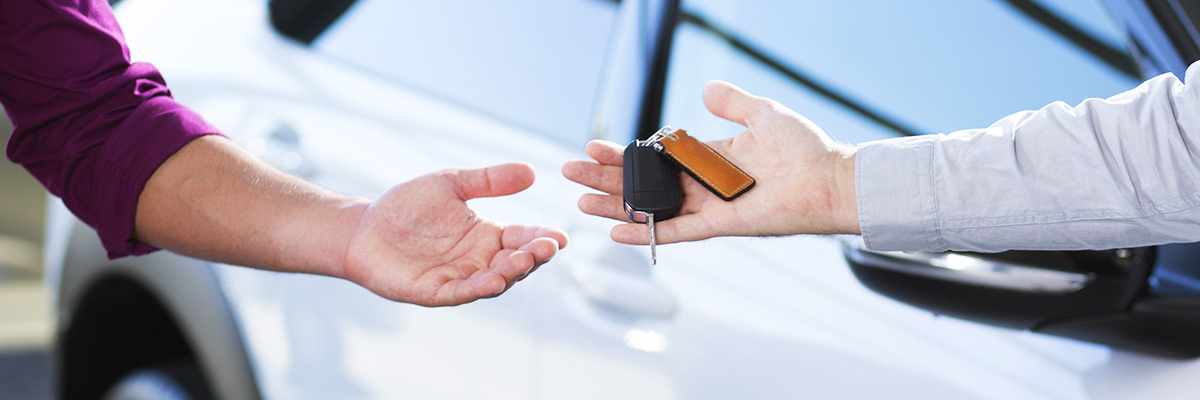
x=175, y=381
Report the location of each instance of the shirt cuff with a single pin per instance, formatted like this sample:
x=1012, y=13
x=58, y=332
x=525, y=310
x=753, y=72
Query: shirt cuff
x=897, y=209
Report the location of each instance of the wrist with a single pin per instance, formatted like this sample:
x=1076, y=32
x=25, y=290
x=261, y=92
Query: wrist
x=317, y=241
x=845, y=212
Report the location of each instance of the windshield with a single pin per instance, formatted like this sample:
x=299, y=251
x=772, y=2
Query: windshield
x=533, y=64
x=875, y=69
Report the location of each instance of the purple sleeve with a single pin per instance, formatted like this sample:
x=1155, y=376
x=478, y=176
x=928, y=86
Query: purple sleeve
x=89, y=125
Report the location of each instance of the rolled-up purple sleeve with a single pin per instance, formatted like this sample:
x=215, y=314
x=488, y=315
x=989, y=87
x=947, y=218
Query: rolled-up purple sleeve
x=89, y=125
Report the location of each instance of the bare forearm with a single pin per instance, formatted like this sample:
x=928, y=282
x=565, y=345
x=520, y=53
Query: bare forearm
x=211, y=200
x=417, y=243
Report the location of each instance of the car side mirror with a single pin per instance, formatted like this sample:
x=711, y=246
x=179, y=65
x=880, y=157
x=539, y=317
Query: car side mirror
x=1109, y=297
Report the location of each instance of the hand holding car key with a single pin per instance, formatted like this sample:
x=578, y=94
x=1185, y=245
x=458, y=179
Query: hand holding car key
x=805, y=179
x=651, y=181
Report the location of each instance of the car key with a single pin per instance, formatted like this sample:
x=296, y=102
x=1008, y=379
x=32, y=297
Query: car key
x=712, y=170
x=651, y=187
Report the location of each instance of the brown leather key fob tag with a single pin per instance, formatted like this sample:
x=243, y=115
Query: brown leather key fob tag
x=712, y=170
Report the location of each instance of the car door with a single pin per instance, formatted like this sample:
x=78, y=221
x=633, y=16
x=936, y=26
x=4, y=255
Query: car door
x=386, y=92
x=785, y=318
x=1138, y=299
x=1140, y=302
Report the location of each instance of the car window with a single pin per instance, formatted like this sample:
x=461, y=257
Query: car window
x=1191, y=10
x=876, y=69
x=531, y=63
x=1178, y=20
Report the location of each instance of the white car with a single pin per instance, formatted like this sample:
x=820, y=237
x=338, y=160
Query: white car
x=359, y=96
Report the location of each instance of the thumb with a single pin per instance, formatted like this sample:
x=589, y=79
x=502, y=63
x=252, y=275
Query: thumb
x=496, y=180
x=730, y=102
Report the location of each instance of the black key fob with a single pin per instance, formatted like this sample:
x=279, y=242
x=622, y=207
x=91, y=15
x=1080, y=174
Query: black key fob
x=651, y=184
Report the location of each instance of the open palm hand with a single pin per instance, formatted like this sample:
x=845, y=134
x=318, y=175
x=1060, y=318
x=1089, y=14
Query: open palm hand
x=420, y=243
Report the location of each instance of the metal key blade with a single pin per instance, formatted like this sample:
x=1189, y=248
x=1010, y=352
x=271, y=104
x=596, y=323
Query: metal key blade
x=653, y=253
x=650, y=189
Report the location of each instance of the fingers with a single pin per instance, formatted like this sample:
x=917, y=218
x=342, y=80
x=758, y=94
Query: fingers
x=537, y=245
x=601, y=205
x=514, y=265
x=604, y=174
x=484, y=284
x=605, y=152
x=516, y=236
x=505, y=269
x=684, y=228
x=730, y=102
x=496, y=180
x=511, y=266
x=604, y=178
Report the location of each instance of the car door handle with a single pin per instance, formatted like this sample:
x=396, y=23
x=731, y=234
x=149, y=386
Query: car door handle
x=623, y=290
x=281, y=149
x=618, y=276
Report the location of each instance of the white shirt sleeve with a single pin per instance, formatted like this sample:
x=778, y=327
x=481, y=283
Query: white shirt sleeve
x=1108, y=173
